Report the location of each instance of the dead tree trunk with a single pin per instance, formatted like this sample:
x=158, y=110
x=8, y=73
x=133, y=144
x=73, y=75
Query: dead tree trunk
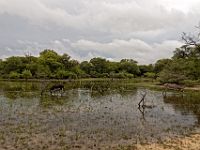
x=142, y=100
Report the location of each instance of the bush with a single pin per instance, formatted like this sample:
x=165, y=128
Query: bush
x=190, y=83
x=129, y=75
x=150, y=75
x=94, y=74
x=14, y=75
x=175, y=72
x=104, y=75
x=72, y=75
x=84, y=75
x=120, y=75
x=62, y=74
x=26, y=74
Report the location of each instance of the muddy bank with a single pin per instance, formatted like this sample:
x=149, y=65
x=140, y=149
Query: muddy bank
x=191, y=142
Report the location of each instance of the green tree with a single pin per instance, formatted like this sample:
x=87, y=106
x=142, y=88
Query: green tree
x=146, y=68
x=175, y=72
x=13, y=64
x=86, y=66
x=26, y=74
x=129, y=66
x=99, y=65
x=65, y=60
x=160, y=65
x=51, y=59
x=43, y=71
x=14, y=75
x=150, y=75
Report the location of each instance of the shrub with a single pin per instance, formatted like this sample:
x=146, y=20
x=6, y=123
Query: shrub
x=62, y=74
x=150, y=75
x=190, y=83
x=129, y=75
x=120, y=75
x=14, y=75
x=26, y=74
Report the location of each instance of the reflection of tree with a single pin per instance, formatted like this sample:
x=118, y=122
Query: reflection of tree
x=103, y=88
x=142, y=111
x=13, y=90
x=15, y=94
x=11, y=95
x=48, y=101
x=19, y=86
x=188, y=103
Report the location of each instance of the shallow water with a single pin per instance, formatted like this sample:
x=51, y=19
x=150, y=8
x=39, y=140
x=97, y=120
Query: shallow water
x=84, y=118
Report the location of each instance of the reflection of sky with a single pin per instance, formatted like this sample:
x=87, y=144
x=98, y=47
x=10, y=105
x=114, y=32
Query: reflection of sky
x=108, y=118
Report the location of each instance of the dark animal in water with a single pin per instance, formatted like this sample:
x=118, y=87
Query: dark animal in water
x=58, y=87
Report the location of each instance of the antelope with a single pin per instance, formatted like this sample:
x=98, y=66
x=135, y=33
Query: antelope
x=174, y=86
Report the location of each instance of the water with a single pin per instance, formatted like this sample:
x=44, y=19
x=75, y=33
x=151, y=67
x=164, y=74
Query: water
x=102, y=118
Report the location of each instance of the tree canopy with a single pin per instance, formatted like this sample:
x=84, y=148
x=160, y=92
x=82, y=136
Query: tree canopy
x=184, y=65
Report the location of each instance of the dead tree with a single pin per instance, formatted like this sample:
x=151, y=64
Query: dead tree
x=190, y=40
x=142, y=99
x=142, y=111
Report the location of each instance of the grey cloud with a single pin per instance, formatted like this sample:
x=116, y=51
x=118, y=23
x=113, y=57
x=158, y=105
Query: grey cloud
x=90, y=28
x=133, y=48
x=105, y=15
x=115, y=50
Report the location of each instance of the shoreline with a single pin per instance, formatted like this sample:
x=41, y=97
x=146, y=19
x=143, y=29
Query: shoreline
x=189, y=142
x=140, y=82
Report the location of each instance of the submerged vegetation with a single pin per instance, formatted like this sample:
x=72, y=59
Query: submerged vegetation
x=92, y=115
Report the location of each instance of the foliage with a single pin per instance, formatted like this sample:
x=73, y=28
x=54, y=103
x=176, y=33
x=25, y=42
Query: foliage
x=151, y=75
x=160, y=65
x=14, y=75
x=129, y=66
x=99, y=65
x=86, y=66
x=146, y=68
x=183, y=67
x=26, y=74
x=62, y=74
x=175, y=72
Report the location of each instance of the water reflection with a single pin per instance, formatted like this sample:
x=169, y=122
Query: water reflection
x=185, y=103
x=91, y=115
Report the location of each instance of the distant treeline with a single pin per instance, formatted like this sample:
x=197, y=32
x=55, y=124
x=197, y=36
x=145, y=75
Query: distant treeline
x=51, y=65
x=182, y=67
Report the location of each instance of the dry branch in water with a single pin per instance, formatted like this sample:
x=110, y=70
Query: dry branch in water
x=142, y=99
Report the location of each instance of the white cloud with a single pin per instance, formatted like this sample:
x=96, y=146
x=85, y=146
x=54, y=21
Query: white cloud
x=115, y=50
x=142, y=29
x=133, y=48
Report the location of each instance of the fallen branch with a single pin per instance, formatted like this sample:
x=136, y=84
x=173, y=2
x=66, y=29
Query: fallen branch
x=142, y=100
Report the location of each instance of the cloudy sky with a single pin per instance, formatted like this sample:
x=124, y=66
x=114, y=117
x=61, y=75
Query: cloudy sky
x=144, y=30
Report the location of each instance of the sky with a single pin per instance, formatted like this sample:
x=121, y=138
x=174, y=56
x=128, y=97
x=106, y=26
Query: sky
x=143, y=30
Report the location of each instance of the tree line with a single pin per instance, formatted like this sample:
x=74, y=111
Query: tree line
x=183, y=66
x=51, y=65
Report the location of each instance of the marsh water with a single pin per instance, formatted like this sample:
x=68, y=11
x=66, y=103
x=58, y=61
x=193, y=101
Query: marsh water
x=92, y=115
